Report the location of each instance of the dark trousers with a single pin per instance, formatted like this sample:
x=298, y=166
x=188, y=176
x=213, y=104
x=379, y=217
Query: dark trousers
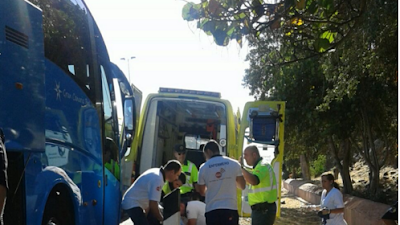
x=222, y=217
x=265, y=216
x=137, y=216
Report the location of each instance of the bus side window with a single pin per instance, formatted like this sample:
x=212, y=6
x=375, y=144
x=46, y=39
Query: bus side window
x=67, y=40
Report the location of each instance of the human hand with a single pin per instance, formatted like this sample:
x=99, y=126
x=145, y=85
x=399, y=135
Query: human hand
x=241, y=161
x=325, y=211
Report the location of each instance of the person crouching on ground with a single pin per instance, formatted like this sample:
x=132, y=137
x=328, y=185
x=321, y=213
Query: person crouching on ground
x=194, y=211
x=144, y=194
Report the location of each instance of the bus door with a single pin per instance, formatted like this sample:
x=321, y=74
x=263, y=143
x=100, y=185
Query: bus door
x=262, y=125
x=111, y=162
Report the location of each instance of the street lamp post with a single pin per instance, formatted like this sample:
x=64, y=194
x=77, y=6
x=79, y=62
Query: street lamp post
x=129, y=65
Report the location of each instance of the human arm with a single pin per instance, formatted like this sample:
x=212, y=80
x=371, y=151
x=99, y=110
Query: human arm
x=249, y=177
x=201, y=189
x=153, y=208
x=332, y=211
x=338, y=205
x=240, y=182
x=201, y=183
x=192, y=221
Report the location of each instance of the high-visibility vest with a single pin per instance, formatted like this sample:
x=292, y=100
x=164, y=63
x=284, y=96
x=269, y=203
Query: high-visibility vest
x=188, y=170
x=113, y=167
x=266, y=190
x=166, y=188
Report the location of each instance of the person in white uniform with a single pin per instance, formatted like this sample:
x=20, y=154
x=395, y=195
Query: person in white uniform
x=218, y=179
x=331, y=201
x=194, y=211
x=144, y=194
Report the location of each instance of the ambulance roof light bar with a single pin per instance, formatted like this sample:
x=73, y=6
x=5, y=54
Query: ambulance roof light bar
x=191, y=92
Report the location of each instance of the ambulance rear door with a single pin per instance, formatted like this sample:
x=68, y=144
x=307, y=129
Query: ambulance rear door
x=262, y=125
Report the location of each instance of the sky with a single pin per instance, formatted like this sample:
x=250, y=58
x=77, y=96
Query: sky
x=169, y=51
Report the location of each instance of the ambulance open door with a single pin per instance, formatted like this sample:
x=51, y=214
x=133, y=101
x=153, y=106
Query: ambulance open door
x=262, y=123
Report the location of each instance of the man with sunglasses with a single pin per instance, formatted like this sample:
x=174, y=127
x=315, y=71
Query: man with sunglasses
x=189, y=169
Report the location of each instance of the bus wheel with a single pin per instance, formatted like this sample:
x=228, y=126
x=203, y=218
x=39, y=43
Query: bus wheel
x=58, y=212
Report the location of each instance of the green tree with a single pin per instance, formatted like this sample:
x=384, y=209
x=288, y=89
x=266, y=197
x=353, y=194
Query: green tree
x=310, y=27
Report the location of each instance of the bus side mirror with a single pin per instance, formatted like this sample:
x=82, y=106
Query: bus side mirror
x=129, y=118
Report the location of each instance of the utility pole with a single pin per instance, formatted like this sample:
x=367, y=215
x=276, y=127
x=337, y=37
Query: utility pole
x=129, y=66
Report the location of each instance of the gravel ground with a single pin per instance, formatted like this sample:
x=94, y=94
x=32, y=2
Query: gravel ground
x=293, y=212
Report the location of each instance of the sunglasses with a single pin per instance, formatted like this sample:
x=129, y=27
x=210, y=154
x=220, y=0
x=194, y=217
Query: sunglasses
x=181, y=153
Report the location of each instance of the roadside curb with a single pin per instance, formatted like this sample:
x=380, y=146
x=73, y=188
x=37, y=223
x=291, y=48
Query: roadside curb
x=357, y=210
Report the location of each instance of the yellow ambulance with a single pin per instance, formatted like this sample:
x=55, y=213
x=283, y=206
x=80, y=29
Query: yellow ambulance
x=191, y=117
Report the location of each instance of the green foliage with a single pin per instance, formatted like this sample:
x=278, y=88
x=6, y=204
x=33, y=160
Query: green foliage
x=312, y=27
x=318, y=166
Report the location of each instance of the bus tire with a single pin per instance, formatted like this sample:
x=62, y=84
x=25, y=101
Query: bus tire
x=58, y=211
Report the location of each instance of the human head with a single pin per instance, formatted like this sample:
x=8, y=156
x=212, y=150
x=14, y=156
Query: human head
x=180, y=152
x=183, y=204
x=172, y=170
x=201, y=147
x=180, y=181
x=328, y=181
x=210, y=149
x=251, y=155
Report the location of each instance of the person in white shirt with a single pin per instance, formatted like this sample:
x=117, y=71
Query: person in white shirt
x=194, y=211
x=144, y=194
x=218, y=178
x=331, y=201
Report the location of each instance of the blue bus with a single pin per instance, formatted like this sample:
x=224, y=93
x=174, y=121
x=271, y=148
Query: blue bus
x=67, y=112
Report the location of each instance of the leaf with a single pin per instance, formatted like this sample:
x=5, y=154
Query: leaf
x=186, y=11
x=219, y=37
x=245, y=30
x=246, y=23
x=312, y=8
x=209, y=26
x=330, y=36
x=297, y=21
x=239, y=39
x=231, y=30
x=321, y=44
x=191, y=11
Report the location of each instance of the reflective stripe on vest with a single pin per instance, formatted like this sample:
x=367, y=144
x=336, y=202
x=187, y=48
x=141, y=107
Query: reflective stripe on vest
x=266, y=190
x=188, y=186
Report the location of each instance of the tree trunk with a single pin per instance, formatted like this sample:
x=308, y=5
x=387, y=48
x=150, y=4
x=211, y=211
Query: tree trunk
x=343, y=169
x=305, y=167
x=374, y=180
x=345, y=173
x=369, y=153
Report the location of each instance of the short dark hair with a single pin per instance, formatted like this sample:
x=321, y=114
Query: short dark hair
x=172, y=164
x=182, y=177
x=212, y=146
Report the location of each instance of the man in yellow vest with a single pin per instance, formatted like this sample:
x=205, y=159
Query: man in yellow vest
x=263, y=188
x=170, y=186
x=189, y=169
